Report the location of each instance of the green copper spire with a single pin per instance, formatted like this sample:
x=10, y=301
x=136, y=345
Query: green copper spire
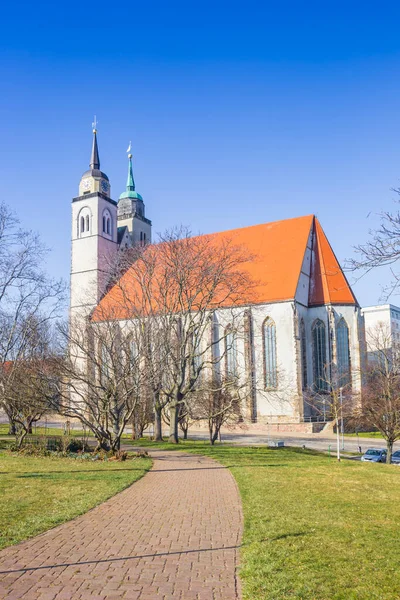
x=130, y=182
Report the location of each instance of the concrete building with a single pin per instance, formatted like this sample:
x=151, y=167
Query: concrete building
x=382, y=326
x=305, y=317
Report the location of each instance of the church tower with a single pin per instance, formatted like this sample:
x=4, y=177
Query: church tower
x=133, y=226
x=94, y=236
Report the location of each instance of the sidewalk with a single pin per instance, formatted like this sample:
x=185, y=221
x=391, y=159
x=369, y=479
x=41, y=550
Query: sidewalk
x=175, y=534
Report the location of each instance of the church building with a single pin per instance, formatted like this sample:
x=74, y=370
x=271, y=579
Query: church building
x=306, y=316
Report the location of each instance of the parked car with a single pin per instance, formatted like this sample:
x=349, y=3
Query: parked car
x=396, y=457
x=374, y=455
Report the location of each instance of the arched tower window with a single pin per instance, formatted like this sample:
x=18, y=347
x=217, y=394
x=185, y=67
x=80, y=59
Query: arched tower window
x=230, y=352
x=343, y=352
x=83, y=221
x=319, y=356
x=269, y=346
x=303, y=351
x=107, y=223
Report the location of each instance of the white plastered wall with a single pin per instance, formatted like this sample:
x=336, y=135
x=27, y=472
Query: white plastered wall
x=352, y=316
x=91, y=251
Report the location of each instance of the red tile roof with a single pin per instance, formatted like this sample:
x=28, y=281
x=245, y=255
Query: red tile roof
x=279, y=250
x=328, y=285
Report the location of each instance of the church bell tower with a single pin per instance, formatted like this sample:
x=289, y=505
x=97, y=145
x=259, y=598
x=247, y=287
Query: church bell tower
x=94, y=236
x=131, y=212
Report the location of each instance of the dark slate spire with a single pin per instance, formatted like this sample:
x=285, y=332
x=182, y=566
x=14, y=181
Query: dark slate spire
x=94, y=159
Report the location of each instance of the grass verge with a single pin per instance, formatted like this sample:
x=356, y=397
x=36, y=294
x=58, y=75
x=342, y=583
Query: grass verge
x=75, y=431
x=313, y=528
x=39, y=493
x=366, y=434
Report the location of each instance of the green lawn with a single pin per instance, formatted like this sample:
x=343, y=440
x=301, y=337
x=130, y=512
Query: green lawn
x=76, y=431
x=314, y=528
x=39, y=493
x=366, y=434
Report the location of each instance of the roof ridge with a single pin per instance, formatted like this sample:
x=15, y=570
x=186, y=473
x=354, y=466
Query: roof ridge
x=257, y=225
x=325, y=285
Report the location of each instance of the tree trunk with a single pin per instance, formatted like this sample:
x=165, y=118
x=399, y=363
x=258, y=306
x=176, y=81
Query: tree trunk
x=389, y=446
x=20, y=437
x=215, y=436
x=157, y=424
x=12, y=428
x=337, y=439
x=173, y=424
x=116, y=444
x=103, y=444
x=185, y=433
x=213, y=433
x=137, y=429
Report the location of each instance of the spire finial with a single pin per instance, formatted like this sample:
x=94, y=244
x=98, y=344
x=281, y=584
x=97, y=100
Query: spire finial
x=130, y=183
x=95, y=159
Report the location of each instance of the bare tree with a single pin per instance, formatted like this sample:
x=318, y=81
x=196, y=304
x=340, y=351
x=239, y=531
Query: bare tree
x=332, y=397
x=185, y=419
x=380, y=407
x=101, y=378
x=28, y=386
x=382, y=249
x=29, y=299
x=169, y=294
x=220, y=404
x=143, y=415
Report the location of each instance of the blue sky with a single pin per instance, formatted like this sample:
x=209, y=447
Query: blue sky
x=239, y=113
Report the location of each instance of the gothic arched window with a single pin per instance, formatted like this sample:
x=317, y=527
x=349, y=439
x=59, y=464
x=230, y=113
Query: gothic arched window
x=269, y=346
x=87, y=222
x=133, y=352
x=303, y=351
x=319, y=356
x=108, y=225
x=104, y=224
x=343, y=352
x=105, y=364
x=82, y=224
x=230, y=352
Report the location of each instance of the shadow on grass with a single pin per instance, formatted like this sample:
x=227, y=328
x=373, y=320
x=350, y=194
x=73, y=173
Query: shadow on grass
x=47, y=474
x=50, y=473
x=153, y=555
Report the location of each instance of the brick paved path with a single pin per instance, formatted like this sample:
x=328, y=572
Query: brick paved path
x=172, y=535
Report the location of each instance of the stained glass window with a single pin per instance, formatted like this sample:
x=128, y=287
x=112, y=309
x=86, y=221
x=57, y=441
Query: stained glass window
x=343, y=352
x=319, y=356
x=269, y=342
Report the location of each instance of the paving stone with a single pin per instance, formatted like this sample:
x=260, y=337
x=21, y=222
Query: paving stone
x=173, y=535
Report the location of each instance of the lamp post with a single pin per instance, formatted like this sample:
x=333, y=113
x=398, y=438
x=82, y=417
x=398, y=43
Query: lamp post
x=341, y=415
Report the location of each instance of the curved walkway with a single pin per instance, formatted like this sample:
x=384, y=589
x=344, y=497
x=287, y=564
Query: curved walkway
x=174, y=534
